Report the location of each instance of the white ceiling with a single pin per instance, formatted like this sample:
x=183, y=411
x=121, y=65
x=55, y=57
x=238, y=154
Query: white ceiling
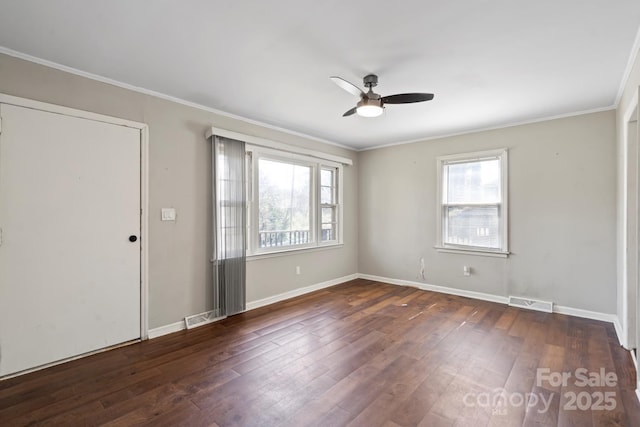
x=489, y=62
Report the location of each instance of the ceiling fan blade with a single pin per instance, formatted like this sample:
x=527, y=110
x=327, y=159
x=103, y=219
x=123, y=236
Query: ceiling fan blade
x=407, y=98
x=350, y=112
x=349, y=87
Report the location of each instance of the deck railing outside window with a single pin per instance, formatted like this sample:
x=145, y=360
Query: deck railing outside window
x=278, y=238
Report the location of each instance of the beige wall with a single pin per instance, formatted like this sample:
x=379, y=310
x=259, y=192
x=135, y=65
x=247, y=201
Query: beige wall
x=562, y=213
x=179, y=176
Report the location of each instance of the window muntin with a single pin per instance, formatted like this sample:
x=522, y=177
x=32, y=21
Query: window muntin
x=295, y=202
x=472, y=202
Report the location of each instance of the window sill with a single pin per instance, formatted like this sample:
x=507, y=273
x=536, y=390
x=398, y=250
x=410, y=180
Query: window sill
x=479, y=252
x=285, y=252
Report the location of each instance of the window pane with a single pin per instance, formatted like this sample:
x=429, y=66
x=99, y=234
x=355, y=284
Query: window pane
x=328, y=232
x=473, y=182
x=284, y=200
x=473, y=226
x=326, y=177
x=326, y=195
x=328, y=215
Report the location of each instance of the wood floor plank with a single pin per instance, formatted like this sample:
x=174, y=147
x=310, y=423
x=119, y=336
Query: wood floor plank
x=80, y=398
x=418, y=404
x=362, y=353
x=395, y=391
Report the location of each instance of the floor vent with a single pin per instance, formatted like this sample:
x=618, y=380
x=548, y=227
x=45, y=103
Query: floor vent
x=531, y=304
x=201, y=319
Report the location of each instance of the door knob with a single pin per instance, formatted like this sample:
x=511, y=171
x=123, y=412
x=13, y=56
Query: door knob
x=133, y=238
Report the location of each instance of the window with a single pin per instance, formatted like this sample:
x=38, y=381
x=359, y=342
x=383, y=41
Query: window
x=472, y=203
x=329, y=203
x=294, y=201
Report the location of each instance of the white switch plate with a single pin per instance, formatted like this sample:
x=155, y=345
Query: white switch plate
x=168, y=214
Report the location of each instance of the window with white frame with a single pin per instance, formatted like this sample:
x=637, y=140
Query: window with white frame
x=294, y=201
x=328, y=203
x=472, y=202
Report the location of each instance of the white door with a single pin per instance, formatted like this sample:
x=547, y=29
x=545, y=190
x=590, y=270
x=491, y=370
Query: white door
x=69, y=212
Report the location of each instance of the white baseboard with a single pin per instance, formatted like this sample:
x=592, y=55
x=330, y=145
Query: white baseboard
x=586, y=314
x=300, y=291
x=594, y=315
x=619, y=332
x=166, y=329
x=179, y=326
x=434, y=288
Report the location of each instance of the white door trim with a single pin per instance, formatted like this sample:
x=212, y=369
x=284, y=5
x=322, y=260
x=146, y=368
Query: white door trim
x=144, y=185
x=628, y=339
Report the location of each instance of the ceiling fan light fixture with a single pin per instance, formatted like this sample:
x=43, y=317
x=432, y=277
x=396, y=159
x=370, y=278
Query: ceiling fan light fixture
x=369, y=108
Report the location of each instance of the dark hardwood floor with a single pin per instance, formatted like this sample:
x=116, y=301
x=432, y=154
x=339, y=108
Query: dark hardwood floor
x=361, y=353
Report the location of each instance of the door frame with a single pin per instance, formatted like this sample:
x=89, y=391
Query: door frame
x=630, y=243
x=144, y=186
x=631, y=291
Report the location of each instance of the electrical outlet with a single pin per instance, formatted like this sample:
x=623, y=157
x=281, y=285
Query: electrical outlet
x=298, y=270
x=466, y=270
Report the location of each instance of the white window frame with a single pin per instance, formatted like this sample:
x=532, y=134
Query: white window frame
x=260, y=152
x=337, y=202
x=442, y=161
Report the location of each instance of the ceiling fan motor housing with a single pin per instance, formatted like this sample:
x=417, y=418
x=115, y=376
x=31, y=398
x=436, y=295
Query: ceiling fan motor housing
x=370, y=80
x=370, y=102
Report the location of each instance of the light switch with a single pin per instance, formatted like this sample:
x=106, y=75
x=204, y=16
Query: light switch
x=168, y=214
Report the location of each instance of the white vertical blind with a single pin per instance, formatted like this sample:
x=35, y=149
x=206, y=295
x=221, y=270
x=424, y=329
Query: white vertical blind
x=229, y=225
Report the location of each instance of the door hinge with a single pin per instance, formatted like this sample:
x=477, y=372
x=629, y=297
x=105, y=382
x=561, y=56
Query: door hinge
x=0, y=236
x=0, y=124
